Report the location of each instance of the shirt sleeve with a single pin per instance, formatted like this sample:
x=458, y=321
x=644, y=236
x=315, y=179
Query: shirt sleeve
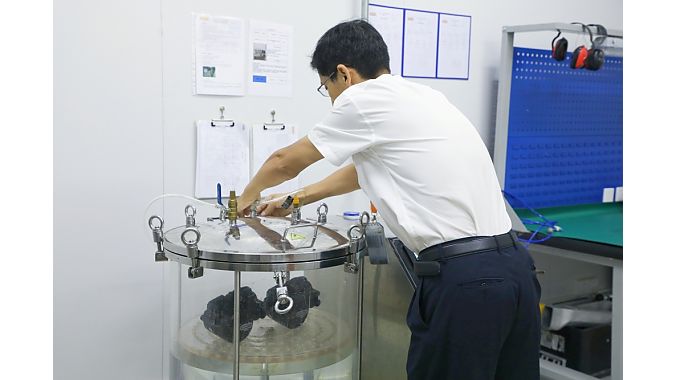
x=342, y=133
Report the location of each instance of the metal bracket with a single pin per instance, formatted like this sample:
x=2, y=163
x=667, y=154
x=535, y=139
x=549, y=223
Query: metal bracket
x=321, y=216
x=222, y=215
x=190, y=212
x=254, y=207
x=356, y=235
x=195, y=270
x=295, y=216
x=283, y=298
x=158, y=237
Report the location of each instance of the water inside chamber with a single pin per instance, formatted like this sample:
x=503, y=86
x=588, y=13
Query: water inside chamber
x=322, y=348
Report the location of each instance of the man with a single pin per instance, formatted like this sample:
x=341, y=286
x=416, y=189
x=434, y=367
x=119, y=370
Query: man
x=475, y=312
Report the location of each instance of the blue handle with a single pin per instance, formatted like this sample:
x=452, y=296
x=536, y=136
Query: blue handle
x=218, y=194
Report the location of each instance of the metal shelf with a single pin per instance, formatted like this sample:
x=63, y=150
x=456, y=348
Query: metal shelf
x=551, y=371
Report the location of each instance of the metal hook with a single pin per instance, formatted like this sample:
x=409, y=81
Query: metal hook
x=150, y=222
x=197, y=236
x=283, y=300
x=364, y=219
x=321, y=216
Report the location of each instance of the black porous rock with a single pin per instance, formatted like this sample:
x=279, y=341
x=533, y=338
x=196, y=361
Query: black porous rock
x=218, y=317
x=304, y=297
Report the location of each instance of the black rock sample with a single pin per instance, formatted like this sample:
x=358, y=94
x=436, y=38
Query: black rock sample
x=304, y=297
x=218, y=317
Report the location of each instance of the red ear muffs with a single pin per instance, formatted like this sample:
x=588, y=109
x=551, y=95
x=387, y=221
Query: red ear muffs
x=596, y=54
x=579, y=57
x=594, y=59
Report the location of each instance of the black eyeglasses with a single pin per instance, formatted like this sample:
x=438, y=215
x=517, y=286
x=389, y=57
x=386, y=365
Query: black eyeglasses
x=322, y=87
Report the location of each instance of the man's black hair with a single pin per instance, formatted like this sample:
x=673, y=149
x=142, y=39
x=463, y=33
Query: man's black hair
x=355, y=44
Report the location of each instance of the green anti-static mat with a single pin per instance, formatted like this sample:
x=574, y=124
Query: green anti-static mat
x=600, y=223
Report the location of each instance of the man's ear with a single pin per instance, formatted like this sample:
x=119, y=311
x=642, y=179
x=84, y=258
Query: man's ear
x=343, y=72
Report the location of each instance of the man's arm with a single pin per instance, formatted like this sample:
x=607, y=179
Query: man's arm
x=283, y=165
x=342, y=181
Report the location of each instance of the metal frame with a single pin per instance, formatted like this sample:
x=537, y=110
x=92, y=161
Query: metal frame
x=556, y=372
x=505, y=83
x=261, y=267
x=550, y=370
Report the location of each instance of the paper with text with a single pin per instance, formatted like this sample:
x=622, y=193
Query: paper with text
x=389, y=22
x=222, y=157
x=269, y=57
x=218, y=47
x=454, y=35
x=420, y=44
x=265, y=142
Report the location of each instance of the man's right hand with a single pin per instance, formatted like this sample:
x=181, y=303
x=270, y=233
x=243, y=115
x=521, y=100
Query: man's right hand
x=274, y=208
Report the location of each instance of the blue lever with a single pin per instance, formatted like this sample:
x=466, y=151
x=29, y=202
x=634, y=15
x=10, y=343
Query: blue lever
x=218, y=194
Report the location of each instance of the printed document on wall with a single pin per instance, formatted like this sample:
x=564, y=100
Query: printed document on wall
x=389, y=22
x=219, y=45
x=420, y=44
x=269, y=57
x=222, y=157
x=454, y=42
x=267, y=140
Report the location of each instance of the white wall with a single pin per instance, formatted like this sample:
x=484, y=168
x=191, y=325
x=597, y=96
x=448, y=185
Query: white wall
x=309, y=20
x=107, y=165
x=123, y=117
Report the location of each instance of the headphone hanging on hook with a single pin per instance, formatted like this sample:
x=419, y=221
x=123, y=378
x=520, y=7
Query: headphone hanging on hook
x=579, y=58
x=560, y=47
x=596, y=55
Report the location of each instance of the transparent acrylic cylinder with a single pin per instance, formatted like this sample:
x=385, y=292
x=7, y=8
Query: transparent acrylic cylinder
x=325, y=346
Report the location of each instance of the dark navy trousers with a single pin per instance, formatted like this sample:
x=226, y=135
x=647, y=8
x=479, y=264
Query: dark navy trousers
x=479, y=319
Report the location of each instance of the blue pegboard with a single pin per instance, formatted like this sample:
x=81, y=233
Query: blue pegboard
x=564, y=143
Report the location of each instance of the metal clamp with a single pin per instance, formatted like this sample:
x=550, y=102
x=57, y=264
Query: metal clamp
x=295, y=216
x=356, y=235
x=190, y=212
x=321, y=216
x=364, y=219
x=222, y=214
x=158, y=237
x=254, y=207
x=283, y=298
x=193, y=252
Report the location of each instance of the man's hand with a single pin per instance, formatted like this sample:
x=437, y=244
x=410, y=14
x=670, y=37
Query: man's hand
x=281, y=166
x=244, y=202
x=274, y=208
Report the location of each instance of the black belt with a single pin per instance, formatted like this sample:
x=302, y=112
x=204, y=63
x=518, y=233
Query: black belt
x=428, y=265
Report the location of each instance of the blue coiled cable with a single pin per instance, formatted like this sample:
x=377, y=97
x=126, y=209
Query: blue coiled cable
x=550, y=225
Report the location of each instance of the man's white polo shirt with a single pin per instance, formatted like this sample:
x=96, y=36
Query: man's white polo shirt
x=418, y=158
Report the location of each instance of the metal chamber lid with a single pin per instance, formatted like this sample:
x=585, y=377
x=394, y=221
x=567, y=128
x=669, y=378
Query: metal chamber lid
x=262, y=241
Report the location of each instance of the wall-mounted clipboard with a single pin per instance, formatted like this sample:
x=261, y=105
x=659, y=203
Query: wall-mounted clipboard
x=222, y=157
x=268, y=138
